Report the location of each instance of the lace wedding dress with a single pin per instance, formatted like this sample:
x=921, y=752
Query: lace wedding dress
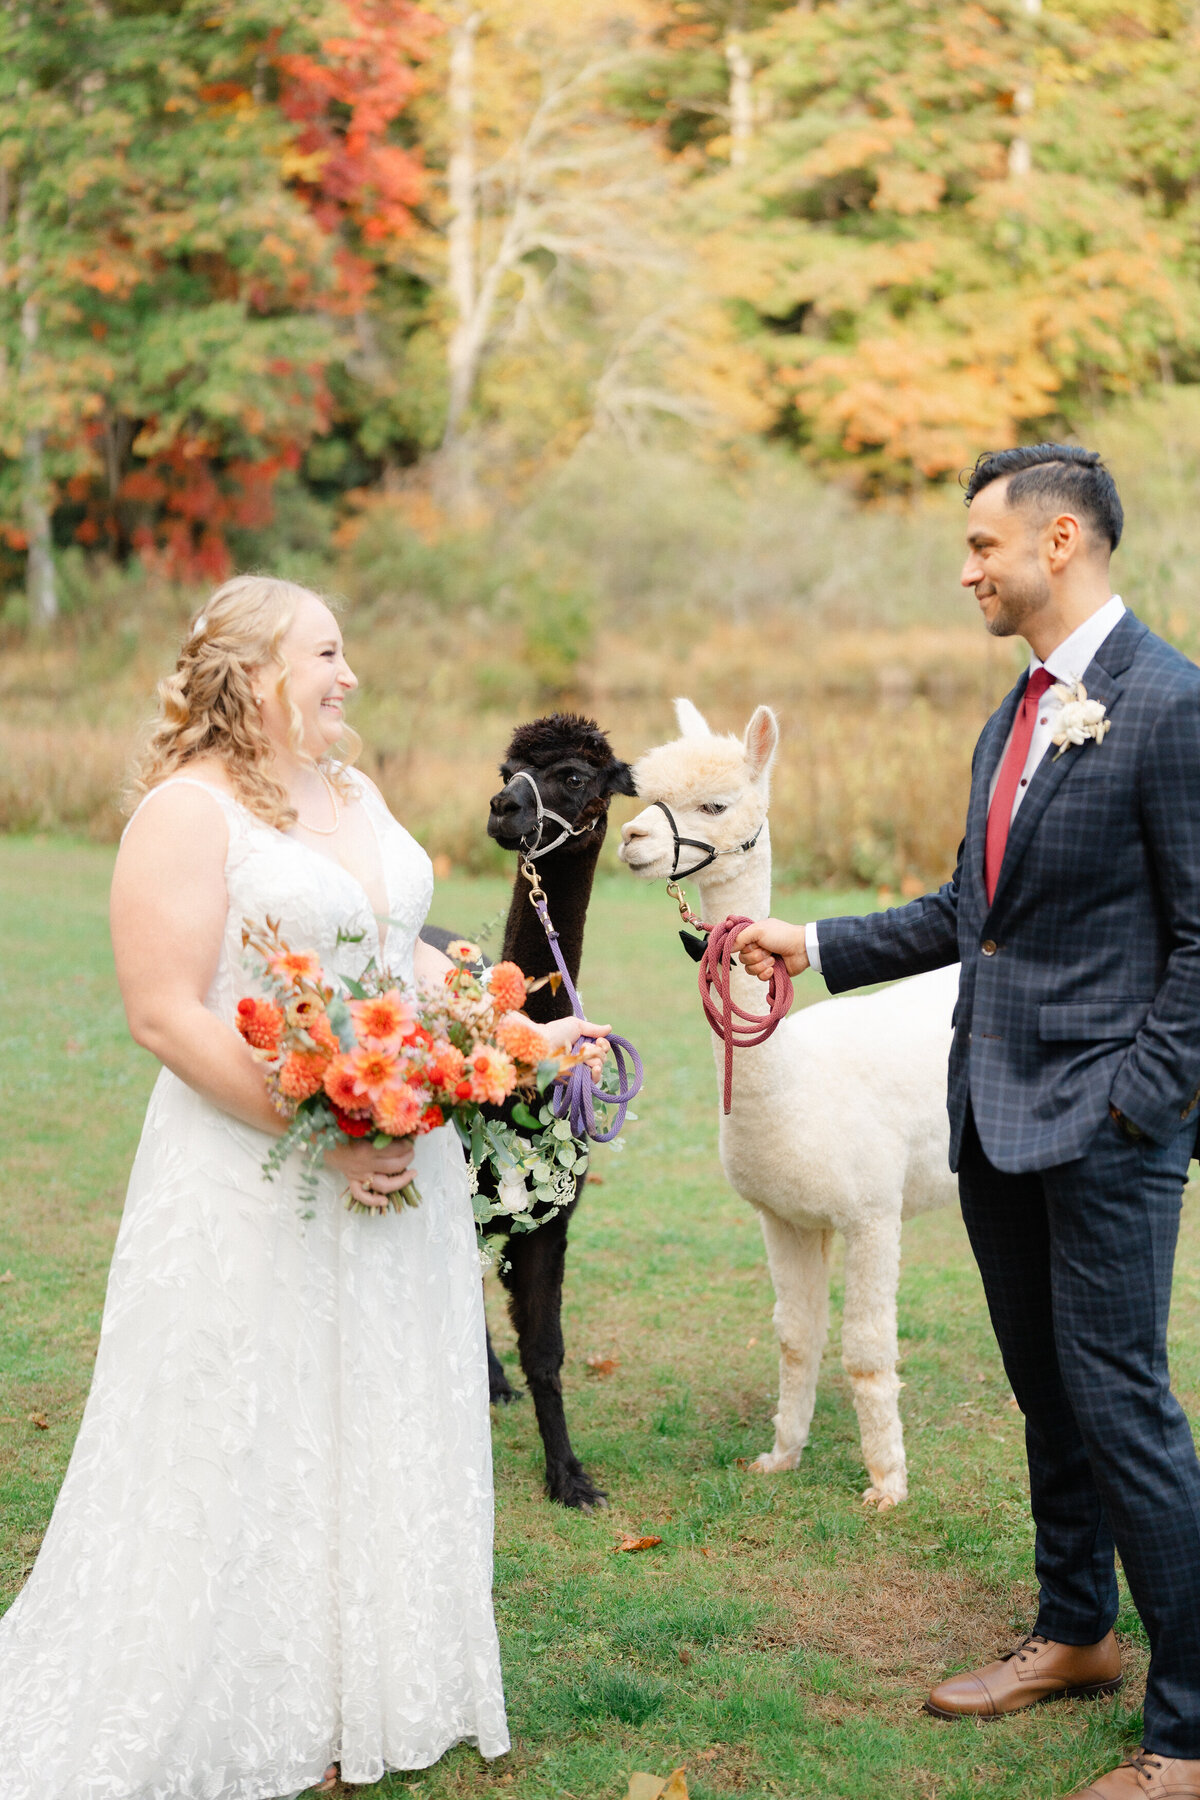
x=273, y=1546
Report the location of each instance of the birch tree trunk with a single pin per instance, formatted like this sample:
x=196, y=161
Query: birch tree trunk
x=741, y=101
x=40, y=585
x=1020, y=152
x=466, y=343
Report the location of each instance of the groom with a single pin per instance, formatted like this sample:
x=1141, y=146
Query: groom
x=1074, y=1085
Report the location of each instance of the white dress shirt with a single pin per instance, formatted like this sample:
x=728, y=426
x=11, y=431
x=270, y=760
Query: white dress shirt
x=1067, y=663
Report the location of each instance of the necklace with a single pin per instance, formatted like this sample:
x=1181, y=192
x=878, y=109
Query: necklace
x=324, y=830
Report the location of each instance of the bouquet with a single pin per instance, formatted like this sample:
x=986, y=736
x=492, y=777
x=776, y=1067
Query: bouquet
x=375, y=1057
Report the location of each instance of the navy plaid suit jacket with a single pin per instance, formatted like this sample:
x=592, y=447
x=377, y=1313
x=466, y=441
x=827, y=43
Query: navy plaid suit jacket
x=1080, y=983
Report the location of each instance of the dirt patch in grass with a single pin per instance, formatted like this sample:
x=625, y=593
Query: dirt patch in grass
x=899, y=1622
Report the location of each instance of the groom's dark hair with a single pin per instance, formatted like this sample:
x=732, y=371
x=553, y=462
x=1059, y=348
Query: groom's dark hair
x=1054, y=475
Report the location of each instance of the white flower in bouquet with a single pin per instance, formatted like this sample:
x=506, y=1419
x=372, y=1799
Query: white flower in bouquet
x=512, y=1195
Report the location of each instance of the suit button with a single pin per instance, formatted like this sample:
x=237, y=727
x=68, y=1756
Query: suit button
x=988, y=947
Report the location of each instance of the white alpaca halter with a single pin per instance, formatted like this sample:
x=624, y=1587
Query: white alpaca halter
x=544, y=813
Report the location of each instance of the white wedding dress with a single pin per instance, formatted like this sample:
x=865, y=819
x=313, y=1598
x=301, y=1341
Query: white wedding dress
x=273, y=1547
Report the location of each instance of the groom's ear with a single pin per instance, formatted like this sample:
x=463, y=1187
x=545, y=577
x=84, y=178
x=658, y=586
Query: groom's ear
x=620, y=780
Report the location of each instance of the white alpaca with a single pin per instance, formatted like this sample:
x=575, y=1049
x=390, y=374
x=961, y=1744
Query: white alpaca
x=838, y=1120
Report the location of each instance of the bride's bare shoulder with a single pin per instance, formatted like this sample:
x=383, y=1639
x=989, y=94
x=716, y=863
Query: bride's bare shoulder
x=181, y=812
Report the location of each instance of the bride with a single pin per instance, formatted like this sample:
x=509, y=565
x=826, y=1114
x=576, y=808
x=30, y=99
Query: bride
x=272, y=1552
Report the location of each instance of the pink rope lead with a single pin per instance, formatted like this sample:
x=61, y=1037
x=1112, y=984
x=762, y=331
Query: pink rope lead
x=738, y=1029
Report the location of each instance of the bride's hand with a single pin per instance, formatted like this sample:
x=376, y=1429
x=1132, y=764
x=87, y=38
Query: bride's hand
x=372, y=1175
x=562, y=1034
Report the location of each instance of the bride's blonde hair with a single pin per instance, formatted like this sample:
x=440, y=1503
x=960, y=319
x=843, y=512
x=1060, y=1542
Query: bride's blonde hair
x=207, y=707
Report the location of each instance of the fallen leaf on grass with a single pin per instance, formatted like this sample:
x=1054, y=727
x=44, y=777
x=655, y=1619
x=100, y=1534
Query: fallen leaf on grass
x=596, y=1180
x=7, y=1276
x=39, y=1420
x=631, y=1542
x=653, y=1787
x=750, y=1343
x=603, y=1365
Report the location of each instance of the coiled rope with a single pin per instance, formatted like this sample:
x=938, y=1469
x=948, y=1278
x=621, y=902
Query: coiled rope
x=738, y=1028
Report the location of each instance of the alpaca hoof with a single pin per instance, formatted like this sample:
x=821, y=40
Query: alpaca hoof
x=501, y=1394
x=884, y=1497
x=575, y=1487
x=772, y=1461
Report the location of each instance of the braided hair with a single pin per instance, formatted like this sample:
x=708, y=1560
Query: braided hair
x=207, y=707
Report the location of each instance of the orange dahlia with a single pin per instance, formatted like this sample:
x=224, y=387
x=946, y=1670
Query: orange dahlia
x=506, y=984
x=523, y=1042
x=383, y=1023
x=260, y=1023
x=295, y=965
x=492, y=1075
x=372, y=1071
x=342, y=1088
x=397, y=1110
x=303, y=1072
x=430, y=1119
x=445, y=1065
x=322, y=1033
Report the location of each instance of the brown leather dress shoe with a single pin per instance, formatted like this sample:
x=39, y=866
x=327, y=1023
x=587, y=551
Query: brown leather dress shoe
x=1144, y=1776
x=1038, y=1669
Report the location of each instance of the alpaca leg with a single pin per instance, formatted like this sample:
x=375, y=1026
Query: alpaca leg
x=534, y=1279
x=500, y=1390
x=799, y=1265
x=870, y=1353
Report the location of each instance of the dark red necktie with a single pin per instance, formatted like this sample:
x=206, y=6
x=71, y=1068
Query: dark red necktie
x=1000, y=811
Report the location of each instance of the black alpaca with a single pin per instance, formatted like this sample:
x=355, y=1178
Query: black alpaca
x=571, y=761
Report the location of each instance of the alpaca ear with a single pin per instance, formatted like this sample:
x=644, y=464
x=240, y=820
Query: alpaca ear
x=761, y=739
x=620, y=779
x=692, y=722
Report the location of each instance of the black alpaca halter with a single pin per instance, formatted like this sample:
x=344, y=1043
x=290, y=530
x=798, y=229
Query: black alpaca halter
x=543, y=813
x=711, y=852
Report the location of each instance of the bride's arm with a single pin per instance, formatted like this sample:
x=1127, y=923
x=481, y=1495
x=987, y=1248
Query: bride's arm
x=167, y=911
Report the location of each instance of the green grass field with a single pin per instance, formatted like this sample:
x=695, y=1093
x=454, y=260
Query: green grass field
x=780, y=1639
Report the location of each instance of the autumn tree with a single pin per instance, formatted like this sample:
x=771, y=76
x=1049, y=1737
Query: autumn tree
x=192, y=200
x=957, y=222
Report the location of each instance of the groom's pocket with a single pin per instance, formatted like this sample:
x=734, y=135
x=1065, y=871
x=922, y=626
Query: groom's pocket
x=1070, y=1021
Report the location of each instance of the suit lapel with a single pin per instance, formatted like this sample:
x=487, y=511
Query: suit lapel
x=991, y=746
x=1102, y=679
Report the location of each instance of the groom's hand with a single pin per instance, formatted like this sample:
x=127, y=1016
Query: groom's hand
x=758, y=946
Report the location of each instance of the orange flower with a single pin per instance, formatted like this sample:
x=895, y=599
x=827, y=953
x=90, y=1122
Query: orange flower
x=522, y=1041
x=506, y=984
x=384, y=1022
x=459, y=950
x=295, y=965
x=322, y=1032
x=302, y=1074
x=446, y=1064
x=430, y=1119
x=372, y=1071
x=397, y=1110
x=492, y=1075
x=342, y=1088
x=260, y=1023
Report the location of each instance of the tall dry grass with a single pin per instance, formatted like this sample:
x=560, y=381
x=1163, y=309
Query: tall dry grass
x=632, y=577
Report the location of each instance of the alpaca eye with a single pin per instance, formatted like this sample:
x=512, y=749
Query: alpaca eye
x=715, y=807
x=574, y=781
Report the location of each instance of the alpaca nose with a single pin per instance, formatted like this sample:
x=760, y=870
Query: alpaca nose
x=631, y=832
x=503, y=804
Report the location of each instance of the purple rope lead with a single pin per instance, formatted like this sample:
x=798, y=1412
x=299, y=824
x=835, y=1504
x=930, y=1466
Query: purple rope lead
x=576, y=1098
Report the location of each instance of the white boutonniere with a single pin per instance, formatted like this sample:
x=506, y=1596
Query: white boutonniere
x=1079, y=718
